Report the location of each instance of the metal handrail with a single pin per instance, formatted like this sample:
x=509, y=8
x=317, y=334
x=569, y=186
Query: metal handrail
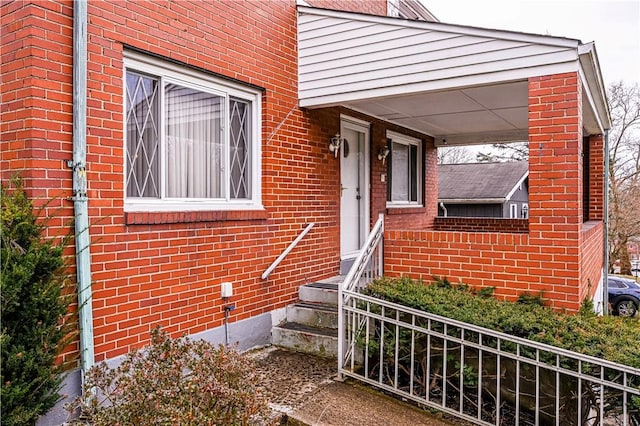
x=354, y=274
x=365, y=258
x=284, y=254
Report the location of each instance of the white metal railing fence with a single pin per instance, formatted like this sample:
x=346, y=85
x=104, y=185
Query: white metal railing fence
x=483, y=376
x=367, y=267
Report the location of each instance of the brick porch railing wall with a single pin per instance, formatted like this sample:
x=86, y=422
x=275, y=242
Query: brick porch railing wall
x=559, y=255
x=506, y=261
x=481, y=224
x=592, y=258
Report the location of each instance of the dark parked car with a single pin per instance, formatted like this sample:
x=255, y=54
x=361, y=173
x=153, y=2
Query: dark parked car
x=624, y=296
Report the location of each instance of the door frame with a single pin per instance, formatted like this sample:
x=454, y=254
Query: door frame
x=348, y=122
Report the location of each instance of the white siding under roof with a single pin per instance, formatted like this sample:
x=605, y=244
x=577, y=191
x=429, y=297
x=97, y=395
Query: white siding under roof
x=346, y=56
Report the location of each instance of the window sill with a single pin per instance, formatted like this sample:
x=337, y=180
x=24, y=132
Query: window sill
x=158, y=218
x=406, y=210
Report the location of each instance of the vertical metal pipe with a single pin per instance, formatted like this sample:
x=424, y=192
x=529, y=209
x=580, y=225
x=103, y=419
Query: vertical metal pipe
x=444, y=365
x=517, y=383
x=80, y=201
x=480, y=375
x=605, y=213
x=413, y=350
x=498, y=382
x=396, y=351
x=226, y=326
x=341, y=332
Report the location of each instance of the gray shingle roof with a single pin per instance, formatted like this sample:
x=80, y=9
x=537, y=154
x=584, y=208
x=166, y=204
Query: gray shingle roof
x=479, y=181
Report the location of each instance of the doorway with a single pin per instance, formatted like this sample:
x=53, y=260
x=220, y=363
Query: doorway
x=355, y=187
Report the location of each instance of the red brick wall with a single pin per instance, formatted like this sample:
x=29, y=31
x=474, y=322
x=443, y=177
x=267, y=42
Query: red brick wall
x=36, y=99
x=506, y=261
x=168, y=274
x=556, y=256
x=596, y=178
x=36, y=108
x=373, y=7
x=167, y=269
x=555, y=181
x=591, y=258
x=150, y=268
x=171, y=273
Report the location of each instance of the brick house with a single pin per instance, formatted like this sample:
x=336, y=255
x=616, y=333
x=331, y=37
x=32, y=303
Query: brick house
x=208, y=132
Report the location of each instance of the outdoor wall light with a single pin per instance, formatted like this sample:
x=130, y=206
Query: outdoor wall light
x=334, y=145
x=525, y=211
x=383, y=154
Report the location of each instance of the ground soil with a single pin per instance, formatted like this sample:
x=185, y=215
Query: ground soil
x=303, y=388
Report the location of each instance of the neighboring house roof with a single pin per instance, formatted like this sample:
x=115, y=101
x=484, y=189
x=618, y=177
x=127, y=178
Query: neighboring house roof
x=480, y=182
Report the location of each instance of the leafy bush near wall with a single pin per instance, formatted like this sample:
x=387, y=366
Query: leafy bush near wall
x=173, y=382
x=611, y=338
x=33, y=310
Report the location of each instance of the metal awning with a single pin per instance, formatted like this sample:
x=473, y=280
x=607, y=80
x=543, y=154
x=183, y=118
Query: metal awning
x=460, y=84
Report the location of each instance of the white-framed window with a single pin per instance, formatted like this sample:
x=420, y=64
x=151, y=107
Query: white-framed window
x=513, y=211
x=192, y=140
x=405, y=170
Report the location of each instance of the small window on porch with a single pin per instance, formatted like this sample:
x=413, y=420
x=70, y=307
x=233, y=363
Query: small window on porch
x=405, y=170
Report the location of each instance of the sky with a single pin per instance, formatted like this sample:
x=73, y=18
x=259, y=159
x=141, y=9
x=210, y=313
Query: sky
x=614, y=25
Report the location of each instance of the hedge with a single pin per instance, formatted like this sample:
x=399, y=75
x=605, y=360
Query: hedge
x=34, y=311
x=612, y=338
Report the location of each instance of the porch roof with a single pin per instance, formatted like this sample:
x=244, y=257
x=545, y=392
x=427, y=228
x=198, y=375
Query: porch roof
x=459, y=84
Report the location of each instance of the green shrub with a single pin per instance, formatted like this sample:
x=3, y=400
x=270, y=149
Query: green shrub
x=611, y=338
x=173, y=382
x=33, y=311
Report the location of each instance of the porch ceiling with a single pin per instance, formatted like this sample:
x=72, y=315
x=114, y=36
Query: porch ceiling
x=461, y=85
x=481, y=114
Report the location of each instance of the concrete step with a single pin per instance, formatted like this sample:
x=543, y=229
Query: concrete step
x=313, y=314
x=304, y=338
x=324, y=291
x=311, y=325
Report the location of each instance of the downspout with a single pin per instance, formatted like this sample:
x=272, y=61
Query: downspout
x=80, y=201
x=605, y=269
x=444, y=209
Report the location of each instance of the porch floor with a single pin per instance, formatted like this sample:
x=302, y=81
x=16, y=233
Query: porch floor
x=302, y=387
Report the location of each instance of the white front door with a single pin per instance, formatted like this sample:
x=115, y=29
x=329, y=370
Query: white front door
x=354, y=172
